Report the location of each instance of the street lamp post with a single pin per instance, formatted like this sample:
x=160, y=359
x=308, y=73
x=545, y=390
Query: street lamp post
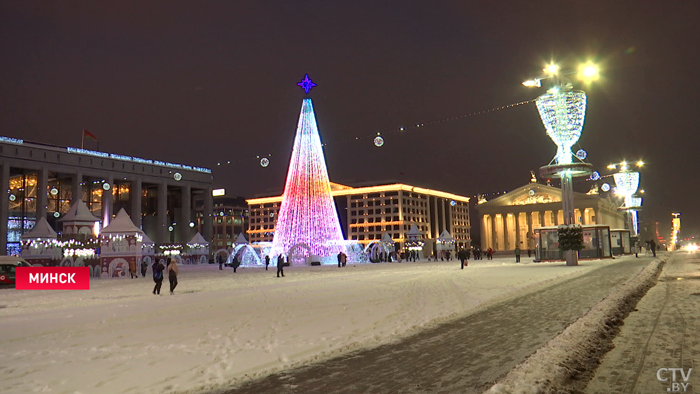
x=563, y=110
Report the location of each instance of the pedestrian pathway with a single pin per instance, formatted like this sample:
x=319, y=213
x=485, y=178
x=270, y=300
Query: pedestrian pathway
x=467, y=355
x=664, y=332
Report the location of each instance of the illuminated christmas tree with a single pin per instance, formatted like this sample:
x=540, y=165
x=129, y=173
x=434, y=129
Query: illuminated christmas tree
x=307, y=214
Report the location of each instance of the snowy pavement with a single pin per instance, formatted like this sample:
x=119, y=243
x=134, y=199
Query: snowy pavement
x=464, y=355
x=663, y=332
x=223, y=328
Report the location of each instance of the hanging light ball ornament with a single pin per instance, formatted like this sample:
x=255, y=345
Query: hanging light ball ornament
x=12, y=197
x=54, y=191
x=177, y=176
x=378, y=141
x=264, y=162
x=106, y=186
x=581, y=154
x=595, y=176
x=56, y=214
x=605, y=187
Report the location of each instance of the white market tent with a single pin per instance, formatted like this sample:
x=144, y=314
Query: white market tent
x=241, y=239
x=122, y=224
x=414, y=233
x=197, y=241
x=80, y=213
x=41, y=230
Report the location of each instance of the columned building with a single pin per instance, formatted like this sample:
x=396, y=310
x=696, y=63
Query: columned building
x=509, y=220
x=44, y=181
x=367, y=212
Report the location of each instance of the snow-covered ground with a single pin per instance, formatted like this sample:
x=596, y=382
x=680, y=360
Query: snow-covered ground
x=221, y=328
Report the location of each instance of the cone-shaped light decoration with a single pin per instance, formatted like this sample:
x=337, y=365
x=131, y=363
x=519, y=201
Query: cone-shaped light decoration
x=562, y=114
x=307, y=215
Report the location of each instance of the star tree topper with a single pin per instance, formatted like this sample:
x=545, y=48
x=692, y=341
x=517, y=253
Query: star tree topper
x=306, y=84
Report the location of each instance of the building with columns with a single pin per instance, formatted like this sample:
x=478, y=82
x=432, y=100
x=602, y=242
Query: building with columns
x=45, y=180
x=367, y=212
x=508, y=221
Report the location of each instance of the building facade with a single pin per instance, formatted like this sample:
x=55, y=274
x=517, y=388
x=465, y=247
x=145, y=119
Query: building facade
x=45, y=180
x=509, y=220
x=230, y=218
x=367, y=212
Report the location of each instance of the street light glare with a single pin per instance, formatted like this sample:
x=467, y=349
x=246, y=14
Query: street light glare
x=588, y=71
x=532, y=83
x=552, y=68
x=611, y=166
x=640, y=163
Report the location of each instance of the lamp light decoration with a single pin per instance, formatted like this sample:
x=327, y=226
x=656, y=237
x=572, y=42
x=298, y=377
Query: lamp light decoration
x=307, y=213
x=627, y=184
x=595, y=176
x=562, y=114
x=264, y=162
x=563, y=111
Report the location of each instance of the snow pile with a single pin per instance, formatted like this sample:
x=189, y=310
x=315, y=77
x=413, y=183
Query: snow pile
x=222, y=328
x=566, y=363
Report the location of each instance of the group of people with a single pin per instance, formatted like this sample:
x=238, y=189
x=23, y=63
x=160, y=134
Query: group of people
x=171, y=270
x=132, y=269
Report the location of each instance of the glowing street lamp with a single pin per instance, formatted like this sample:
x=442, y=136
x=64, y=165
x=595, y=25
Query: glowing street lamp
x=563, y=111
x=627, y=182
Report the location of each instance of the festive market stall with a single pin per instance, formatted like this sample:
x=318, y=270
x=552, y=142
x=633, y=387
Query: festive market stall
x=120, y=246
x=445, y=245
x=197, y=250
x=40, y=246
x=79, y=240
x=415, y=244
x=148, y=251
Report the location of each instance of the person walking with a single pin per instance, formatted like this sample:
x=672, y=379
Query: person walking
x=517, y=254
x=340, y=258
x=158, y=276
x=172, y=275
x=220, y=260
x=280, y=265
x=462, y=255
x=236, y=262
x=343, y=259
x=144, y=268
x=132, y=269
x=489, y=254
x=267, y=261
x=652, y=246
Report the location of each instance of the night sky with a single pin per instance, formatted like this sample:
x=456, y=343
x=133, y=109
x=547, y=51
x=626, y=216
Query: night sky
x=206, y=82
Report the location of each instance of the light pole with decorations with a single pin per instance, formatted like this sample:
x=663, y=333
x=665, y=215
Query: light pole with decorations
x=563, y=110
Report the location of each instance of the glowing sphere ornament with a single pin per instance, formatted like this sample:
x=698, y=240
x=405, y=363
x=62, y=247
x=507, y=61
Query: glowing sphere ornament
x=12, y=197
x=264, y=162
x=177, y=176
x=581, y=154
x=595, y=176
x=56, y=214
x=605, y=187
x=106, y=186
x=54, y=191
x=378, y=141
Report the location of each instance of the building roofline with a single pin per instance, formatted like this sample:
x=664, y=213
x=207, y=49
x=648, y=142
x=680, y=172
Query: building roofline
x=372, y=189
